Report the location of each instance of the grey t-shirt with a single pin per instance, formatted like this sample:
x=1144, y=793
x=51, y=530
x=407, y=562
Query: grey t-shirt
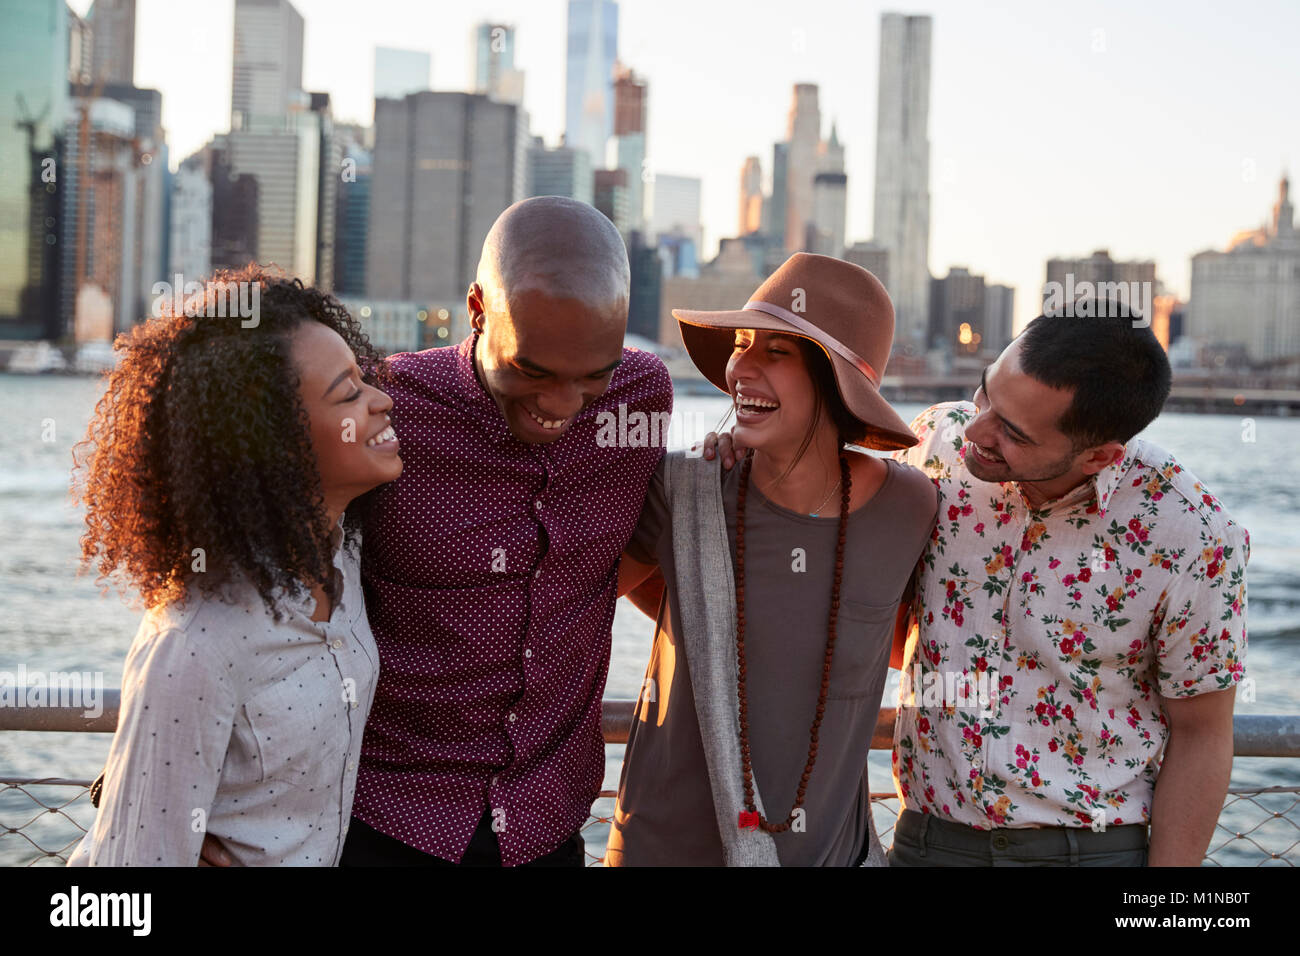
x=665, y=813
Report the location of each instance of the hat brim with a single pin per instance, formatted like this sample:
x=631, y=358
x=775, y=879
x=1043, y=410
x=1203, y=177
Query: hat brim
x=705, y=336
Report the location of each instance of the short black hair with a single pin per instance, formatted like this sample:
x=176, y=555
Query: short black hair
x=1111, y=359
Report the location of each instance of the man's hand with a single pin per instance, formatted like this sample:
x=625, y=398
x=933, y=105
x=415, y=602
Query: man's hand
x=212, y=853
x=715, y=444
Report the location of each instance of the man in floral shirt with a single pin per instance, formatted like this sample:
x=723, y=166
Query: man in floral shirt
x=1079, y=623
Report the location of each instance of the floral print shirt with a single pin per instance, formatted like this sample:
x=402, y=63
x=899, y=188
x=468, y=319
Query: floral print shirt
x=1043, y=639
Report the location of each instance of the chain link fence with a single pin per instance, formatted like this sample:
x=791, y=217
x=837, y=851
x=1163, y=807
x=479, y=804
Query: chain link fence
x=43, y=819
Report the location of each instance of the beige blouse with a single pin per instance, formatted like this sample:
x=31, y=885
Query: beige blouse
x=234, y=725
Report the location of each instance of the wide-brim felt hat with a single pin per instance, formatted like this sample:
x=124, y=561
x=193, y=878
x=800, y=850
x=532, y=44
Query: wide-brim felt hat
x=840, y=306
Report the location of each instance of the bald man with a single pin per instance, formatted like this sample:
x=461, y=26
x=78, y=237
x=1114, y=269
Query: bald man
x=490, y=566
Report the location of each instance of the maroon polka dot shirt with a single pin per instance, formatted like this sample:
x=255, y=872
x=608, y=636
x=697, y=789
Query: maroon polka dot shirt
x=490, y=574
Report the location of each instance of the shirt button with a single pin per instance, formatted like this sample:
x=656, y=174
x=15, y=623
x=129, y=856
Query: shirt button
x=1000, y=842
x=494, y=781
x=975, y=763
x=337, y=644
x=537, y=573
x=354, y=705
x=351, y=765
x=538, y=504
x=528, y=652
x=511, y=717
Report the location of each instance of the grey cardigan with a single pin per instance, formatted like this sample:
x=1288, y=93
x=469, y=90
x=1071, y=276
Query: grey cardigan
x=706, y=593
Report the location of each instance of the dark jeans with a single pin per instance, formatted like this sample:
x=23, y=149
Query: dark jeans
x=366, y=846
x=922, y=839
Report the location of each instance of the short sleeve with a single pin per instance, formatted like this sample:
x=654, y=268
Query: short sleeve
x=650, y=527
x=1200, y=628
x=940, y=431
x=173, y=731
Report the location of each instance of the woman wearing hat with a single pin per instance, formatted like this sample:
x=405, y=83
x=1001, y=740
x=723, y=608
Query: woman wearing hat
x=782, y=580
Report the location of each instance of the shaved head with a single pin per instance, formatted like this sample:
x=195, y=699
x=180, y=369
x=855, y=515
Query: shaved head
x=549, y=311
x=561, y=245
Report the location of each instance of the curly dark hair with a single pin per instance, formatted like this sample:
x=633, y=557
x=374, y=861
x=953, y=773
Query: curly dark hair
x=201, y=441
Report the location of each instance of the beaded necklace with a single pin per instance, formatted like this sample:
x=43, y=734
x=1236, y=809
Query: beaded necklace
x=750, y=817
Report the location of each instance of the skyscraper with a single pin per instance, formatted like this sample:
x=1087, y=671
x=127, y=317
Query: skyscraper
x=286, y=165
x=560, y=171
x=589, y=76
x=631, y=104
x=494, y=63
x=234, y=209
x=609, y=195
x=102, y=262
x=902, y=201
x=399, y=72
x=33, y=113
x=443, y=171
x=267, y=74
x=352, y=219
x=675, y=202
x=873, y=257
x=751, y=197
x=81, y=49
x=804, y=135
x=957, y=312
x=830, y=199
x=1101, y=276
x=830, y=206
x=329, y=176
x=1247, y=298
x=112, y=29
x=191, y=220
x=777, y=205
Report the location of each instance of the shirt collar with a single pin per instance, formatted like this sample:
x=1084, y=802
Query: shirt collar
x=1106, y=482
x=304, y=602
x=477, y=396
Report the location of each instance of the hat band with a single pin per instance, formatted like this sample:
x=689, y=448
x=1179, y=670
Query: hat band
x=821, y=335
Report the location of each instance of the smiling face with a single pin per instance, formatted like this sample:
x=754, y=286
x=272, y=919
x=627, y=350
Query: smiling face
x=356, y=447
x=774, y=394
x=544, y=357
x=1015, y=435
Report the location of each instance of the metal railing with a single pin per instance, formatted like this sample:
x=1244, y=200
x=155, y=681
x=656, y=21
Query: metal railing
x=1267, y=814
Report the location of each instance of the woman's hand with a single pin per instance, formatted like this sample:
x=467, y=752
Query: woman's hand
x=723, y=444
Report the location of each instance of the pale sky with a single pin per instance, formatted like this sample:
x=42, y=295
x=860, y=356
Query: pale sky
x=1155, y=130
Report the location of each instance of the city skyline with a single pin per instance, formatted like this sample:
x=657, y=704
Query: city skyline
x=1180, y=160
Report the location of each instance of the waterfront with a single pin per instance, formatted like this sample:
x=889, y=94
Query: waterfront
x=55, y=620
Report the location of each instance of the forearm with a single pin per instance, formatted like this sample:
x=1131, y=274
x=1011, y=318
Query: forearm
x=1189, y=796
x=647, y=595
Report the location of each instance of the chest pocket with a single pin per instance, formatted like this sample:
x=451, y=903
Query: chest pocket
x=299, y=721
x=864, y=635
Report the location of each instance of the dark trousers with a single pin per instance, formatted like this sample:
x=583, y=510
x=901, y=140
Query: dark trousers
x=922, y=839
x=366, y=846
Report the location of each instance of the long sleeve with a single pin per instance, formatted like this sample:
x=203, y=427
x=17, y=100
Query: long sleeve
x=178, y=709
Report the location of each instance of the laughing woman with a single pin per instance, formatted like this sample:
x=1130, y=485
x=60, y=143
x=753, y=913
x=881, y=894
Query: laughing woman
x=227, y=465
x=782, y=580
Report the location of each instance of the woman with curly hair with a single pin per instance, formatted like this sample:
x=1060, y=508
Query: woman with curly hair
x=224, y=476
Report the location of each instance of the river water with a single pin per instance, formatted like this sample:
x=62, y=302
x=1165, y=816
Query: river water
x=53, y=619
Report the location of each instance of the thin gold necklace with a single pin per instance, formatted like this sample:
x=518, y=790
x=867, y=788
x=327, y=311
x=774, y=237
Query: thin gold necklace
x=815, y=513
